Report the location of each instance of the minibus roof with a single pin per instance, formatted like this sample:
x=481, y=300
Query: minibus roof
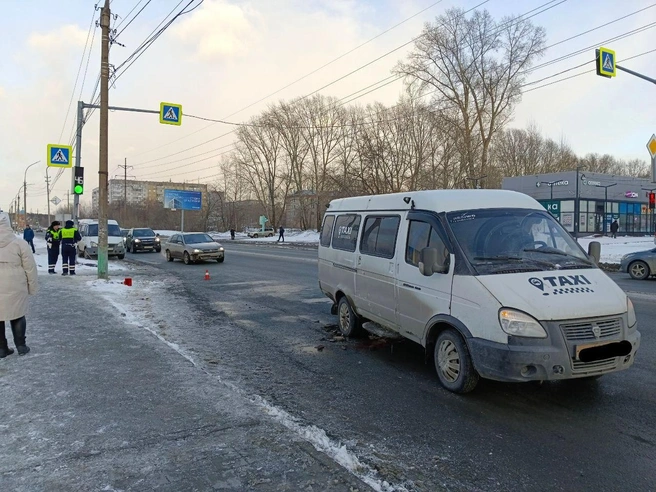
x=437, y=200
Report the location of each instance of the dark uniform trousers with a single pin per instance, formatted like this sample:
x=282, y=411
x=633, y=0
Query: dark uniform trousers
x=53, y=256
x=68, y=258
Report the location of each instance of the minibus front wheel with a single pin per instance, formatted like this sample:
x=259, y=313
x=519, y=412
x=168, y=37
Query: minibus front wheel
x=349, y=323
x=453, y=363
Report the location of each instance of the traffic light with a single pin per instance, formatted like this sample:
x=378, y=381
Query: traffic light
x=78, y=184
x=652, y=200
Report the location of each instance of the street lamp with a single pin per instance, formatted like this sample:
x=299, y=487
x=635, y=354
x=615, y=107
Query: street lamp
x=25, y=188
x=550, y=184
x=605, y=187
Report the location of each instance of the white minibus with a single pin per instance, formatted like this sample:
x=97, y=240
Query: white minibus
x=487, y=281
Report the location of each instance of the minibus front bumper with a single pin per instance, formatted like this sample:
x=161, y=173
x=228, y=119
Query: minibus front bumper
x=565, y=354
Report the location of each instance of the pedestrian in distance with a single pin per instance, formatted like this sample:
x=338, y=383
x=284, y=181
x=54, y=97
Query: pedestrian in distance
x=53, y=240
x=614, y=227
x=232, y=233
x=69, y=239
x=281, y=237
x=28, y=235
x=18, y=281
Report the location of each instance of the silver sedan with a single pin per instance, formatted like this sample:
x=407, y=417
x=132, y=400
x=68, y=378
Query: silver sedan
x=192, y=247
x=640, y=265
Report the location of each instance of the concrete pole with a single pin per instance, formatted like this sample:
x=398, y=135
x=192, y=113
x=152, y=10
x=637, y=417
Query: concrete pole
x=103, y=204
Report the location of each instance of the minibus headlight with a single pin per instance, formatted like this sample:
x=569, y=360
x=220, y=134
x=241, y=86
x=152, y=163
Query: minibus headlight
x=520, y=324
x=631, y=313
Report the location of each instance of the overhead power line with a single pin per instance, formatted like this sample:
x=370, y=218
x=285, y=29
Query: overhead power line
x=304, y=76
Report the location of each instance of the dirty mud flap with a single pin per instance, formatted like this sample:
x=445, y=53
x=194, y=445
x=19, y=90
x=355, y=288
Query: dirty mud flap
x=592, y=352
x=381, y=331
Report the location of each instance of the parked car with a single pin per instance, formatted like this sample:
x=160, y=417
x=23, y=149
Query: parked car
x=88, y=246
x=124, y=233
x=267, y=232
x=487, y=281
x=142, y=239
x=640, y=265
x=192, y=247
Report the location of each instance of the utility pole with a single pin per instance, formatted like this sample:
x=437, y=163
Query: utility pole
x=103, y=204
x=125, y=168
x=68, y=201
x=25, y=188
x=18, y=210
x=48, y=194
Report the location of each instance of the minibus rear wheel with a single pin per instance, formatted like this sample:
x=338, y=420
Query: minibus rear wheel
x=453, y=363
x=349, y=323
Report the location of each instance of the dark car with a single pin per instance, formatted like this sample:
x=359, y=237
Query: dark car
x=142, y=239
x=640, y=265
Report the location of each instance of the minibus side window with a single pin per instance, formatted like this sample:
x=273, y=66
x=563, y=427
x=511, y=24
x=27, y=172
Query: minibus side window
x=345, y=233
x=421, y=235
x=379, y=236
x=327, y=230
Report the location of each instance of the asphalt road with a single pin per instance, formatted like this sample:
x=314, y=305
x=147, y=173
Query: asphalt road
x=265, y=316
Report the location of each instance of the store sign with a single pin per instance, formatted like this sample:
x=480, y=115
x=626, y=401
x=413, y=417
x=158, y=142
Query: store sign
x=630, y=194
x=591, y=183
x=562, y=182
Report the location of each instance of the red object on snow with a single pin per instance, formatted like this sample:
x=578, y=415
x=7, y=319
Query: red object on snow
x=207, y=274
x=127, y=281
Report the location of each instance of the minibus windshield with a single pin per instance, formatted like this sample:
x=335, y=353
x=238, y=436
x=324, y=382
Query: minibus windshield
x=515, y=240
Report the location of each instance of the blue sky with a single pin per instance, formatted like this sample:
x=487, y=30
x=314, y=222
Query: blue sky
x=228, y=54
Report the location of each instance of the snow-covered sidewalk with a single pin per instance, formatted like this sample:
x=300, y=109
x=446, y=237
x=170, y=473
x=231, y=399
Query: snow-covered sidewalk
x=612, y=250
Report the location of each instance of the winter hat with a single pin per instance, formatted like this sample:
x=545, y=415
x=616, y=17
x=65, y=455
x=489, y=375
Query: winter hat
x=69, y=223
x=5, y=223
x=55, y=223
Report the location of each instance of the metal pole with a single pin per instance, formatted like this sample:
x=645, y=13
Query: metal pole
x=644, y=77
x=551, y=191
x=48, y=194
x=78, y=158
x=605, y=205
x=104, y=144
x=182, y=222
x=25, y=188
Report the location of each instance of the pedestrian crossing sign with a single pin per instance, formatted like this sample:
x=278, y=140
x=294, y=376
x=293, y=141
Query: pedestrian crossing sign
x=606, y=63
x=170, y=114
x=60, y=155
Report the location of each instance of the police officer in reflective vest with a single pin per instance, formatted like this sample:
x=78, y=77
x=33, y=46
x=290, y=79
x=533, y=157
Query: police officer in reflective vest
x=69, y=239
x=53, y=238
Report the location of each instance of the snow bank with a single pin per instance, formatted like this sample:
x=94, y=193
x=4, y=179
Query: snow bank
x=612, y=250
x=292, y=236
x=82, y=265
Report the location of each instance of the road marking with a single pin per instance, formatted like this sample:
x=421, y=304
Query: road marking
x=279, y=257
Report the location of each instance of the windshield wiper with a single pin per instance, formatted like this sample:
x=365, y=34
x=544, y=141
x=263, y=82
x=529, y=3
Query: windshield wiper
x=558, y=252
x=498, y=258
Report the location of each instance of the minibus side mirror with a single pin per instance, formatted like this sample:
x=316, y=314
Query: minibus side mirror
x=594, y=251
x=430, y=262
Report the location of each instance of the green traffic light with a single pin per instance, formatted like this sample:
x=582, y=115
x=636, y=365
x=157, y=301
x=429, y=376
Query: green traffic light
x=78, y=189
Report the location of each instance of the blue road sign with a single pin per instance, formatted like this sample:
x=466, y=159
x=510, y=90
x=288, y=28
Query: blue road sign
x=183, y=200
x=606, y=62
x=60, y=155
x=170, y=114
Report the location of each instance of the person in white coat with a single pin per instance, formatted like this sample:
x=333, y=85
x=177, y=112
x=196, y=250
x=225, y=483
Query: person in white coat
x=18, y=280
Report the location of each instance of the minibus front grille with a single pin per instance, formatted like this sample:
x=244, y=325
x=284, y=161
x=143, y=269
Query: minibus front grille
x=597, y=366
x=592, y=330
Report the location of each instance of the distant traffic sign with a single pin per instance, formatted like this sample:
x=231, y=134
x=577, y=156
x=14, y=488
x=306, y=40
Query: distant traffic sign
x=651, y=146
x=170, y=114
x=56, y=200
x=606, y=66
x=60, y=155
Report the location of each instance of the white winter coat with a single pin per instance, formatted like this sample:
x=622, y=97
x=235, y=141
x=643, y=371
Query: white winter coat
x=18, y=275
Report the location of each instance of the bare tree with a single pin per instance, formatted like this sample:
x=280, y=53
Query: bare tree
x=475, y=67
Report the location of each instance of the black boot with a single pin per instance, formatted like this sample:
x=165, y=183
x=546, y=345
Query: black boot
x=18, y=327
x=4, y=349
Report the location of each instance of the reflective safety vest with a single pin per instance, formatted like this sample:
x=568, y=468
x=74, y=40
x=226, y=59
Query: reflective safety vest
x=67, y=233
x=55, y=235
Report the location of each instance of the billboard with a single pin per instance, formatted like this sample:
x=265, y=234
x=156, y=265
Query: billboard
x=183, y=200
